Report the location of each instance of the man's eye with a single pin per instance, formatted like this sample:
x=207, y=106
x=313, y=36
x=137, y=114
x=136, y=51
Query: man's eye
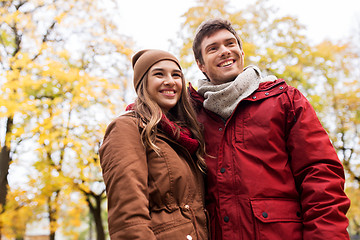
x=211, y=49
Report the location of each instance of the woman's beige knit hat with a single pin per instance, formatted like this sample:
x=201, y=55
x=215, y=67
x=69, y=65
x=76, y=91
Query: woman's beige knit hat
x=144, y=59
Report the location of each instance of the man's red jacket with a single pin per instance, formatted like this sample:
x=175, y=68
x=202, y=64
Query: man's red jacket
x=272, y=170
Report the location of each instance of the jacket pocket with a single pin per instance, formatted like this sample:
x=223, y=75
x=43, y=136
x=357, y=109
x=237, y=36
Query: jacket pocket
x=277, y=218
x=240, y=126
x=175, y=230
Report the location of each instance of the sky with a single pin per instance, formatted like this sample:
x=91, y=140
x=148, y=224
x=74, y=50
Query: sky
x=151, y=23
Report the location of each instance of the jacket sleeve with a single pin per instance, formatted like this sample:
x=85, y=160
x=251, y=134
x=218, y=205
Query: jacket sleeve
x=125, y=172
x=318, y=173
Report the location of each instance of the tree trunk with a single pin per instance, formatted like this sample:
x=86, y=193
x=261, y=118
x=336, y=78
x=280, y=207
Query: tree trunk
x=52, y=236
x=5, y=160
x=4, y=170
x=98, y=221
x=96, y=212
x=52, y=211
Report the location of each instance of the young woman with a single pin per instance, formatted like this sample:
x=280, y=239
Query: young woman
x=152, y=158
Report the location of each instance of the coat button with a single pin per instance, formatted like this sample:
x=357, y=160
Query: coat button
x=187, y=207
x=254, y=97
x=226, y=219
x=188, y=237
x=220, y=129
x=265, y=215
x=222, y=170
x=267, y=94
x=281, y=88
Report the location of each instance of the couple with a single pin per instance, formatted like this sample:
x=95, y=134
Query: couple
x=270, y=170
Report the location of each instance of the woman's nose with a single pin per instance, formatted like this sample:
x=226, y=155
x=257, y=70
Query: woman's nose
x=169, y=80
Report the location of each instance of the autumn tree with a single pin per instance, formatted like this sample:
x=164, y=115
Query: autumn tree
x=336, y=75
x=15, y=25
x=18, y=213
x=342, y=83
x=59, y=60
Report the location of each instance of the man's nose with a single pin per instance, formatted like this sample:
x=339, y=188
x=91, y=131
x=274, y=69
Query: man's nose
x=224, y=50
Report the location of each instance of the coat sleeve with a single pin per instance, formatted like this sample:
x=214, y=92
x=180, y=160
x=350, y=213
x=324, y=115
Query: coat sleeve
x=125, y=172
x=318, y=173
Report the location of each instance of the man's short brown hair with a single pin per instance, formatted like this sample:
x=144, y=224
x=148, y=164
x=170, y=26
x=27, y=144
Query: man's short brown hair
x=206, y=29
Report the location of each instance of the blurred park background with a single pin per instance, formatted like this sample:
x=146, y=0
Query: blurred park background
x=65, y=73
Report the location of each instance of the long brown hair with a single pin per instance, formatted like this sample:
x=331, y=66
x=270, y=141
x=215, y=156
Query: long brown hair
x=182, y=114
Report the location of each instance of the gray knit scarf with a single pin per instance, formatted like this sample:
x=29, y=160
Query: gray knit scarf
x=223, y=98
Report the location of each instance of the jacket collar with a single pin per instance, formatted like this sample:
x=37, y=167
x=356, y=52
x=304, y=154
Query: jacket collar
x=265, y=90
x=268, y=89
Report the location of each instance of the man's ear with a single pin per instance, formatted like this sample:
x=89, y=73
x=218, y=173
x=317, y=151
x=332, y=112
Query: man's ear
x=200, y=66
x=243, y=56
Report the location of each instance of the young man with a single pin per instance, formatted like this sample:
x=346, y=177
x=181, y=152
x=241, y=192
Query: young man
x=272, y=171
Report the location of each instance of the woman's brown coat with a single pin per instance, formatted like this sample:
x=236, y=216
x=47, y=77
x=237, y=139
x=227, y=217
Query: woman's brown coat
x=150, y=196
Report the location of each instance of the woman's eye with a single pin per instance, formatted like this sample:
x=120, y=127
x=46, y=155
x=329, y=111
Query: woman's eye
x=176, y=75
x=158, y=74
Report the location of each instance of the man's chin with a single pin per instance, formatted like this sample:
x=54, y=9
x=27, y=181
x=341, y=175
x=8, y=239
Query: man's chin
x=222, y=81
x=229, y=78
